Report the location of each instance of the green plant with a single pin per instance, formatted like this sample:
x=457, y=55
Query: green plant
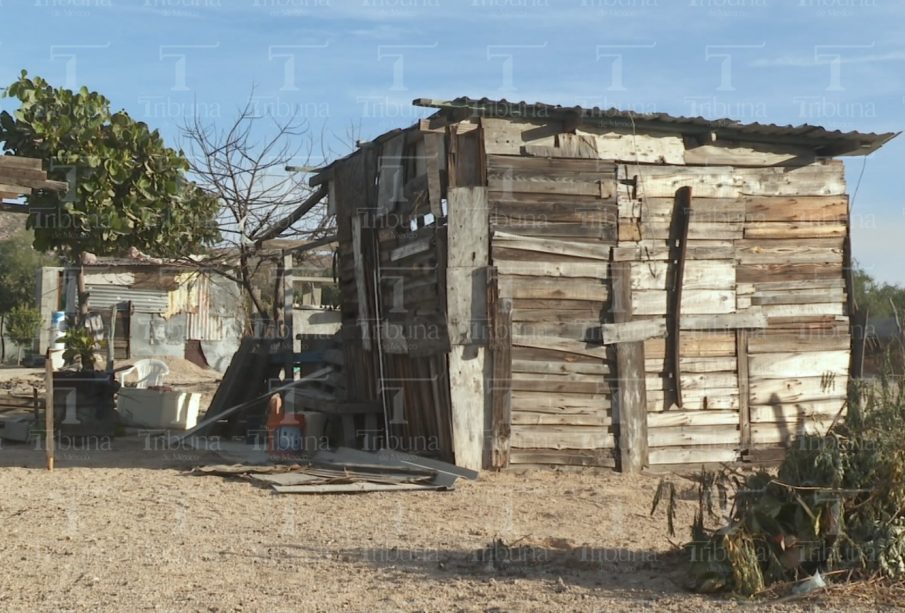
x=19, y=263
x=80, y=344
x=836, y=505
x=22, y=325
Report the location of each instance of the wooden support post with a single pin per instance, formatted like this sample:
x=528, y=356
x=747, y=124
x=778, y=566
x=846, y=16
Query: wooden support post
x=49, y=445
x=360, y=283
x=501, y=383
x=744, y=414
x=282, y=307
x=678, y=248
x=630, y=415
x=111, y=340
x=466, y=307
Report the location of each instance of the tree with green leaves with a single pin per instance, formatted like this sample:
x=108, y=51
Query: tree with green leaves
x=22, y=326
x=126, y=187
x=19, y=264
x=879, y=300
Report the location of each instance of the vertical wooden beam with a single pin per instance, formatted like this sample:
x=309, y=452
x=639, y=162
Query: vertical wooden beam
x=630, y=414
x=360, y=283
x=501, y=382
x=111, y=339
x=283, y=301
x=49, y=445
x=744, y=413
x=466, y=309
x=435, y=152
x=678, y=248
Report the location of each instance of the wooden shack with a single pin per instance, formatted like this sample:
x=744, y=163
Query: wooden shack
x=527, y=284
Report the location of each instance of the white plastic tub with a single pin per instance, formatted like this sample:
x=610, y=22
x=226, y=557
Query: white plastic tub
x=153, y=409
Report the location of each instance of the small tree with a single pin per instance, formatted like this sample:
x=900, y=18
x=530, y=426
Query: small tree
x=244, y=165
x=127, y=189
x=19, y=264
x=23, y=325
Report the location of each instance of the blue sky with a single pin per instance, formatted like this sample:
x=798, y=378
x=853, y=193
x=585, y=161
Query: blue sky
x=353, y=66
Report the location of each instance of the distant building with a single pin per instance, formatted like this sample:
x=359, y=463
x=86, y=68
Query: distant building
x=162, y=309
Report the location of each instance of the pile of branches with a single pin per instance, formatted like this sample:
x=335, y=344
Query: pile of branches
x=835, y=508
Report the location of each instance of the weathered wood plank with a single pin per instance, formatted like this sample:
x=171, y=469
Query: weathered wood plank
x=822, y=179
x=819, y=209
x=613, y=145
x=796, y=389
x=526, y=418
x=726, y=153
x=694, y=302
x=704, y=210
x=685, y=455
x=786, y=365
x=467, y=257
x=559, y=402
x=632, y=331
x=390, y=184
x=631, y=398
x=563, y=247
x=786, y=230
x=696, y=344
x=546, y=288
x=696, y=381
x=743, y=385
x=729, y=321
x=561, y=437
x=694, y=399
x=507, y=174
x=361, y=292
x=668, y=419
x=435, y=156
x=677, y=436
x=501, y=385
x=467, y=394
x=792, y=412
x=561, y=345
x=699, y=274
x=772, y=342
x=657, y=251
x=554, y=367
x=564, y=458
x=593, y=269
x=573, y=383
x=759, y=273
x=763, y=434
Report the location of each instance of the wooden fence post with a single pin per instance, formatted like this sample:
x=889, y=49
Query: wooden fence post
x=49, y=446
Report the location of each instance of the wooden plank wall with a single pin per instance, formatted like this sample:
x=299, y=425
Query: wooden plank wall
x=553, y=226
x=391, y=267
x=764, y=255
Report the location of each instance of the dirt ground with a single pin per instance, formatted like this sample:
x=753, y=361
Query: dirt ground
x=125, y=527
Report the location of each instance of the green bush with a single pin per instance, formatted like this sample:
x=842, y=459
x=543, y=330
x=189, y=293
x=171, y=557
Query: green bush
x=22, y=325
x=836, y=505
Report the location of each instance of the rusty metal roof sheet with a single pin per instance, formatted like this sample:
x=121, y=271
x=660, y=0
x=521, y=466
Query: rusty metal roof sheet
x=822, y=141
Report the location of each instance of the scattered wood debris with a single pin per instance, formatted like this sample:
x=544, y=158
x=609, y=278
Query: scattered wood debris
x=348, y=471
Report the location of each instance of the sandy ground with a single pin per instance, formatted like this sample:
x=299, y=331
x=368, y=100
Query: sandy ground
x=126, y=528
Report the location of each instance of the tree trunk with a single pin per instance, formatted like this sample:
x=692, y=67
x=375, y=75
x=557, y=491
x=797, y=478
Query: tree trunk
x=2, y=339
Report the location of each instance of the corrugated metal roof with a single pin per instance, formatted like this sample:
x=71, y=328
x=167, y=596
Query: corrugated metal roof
x=823, y=141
